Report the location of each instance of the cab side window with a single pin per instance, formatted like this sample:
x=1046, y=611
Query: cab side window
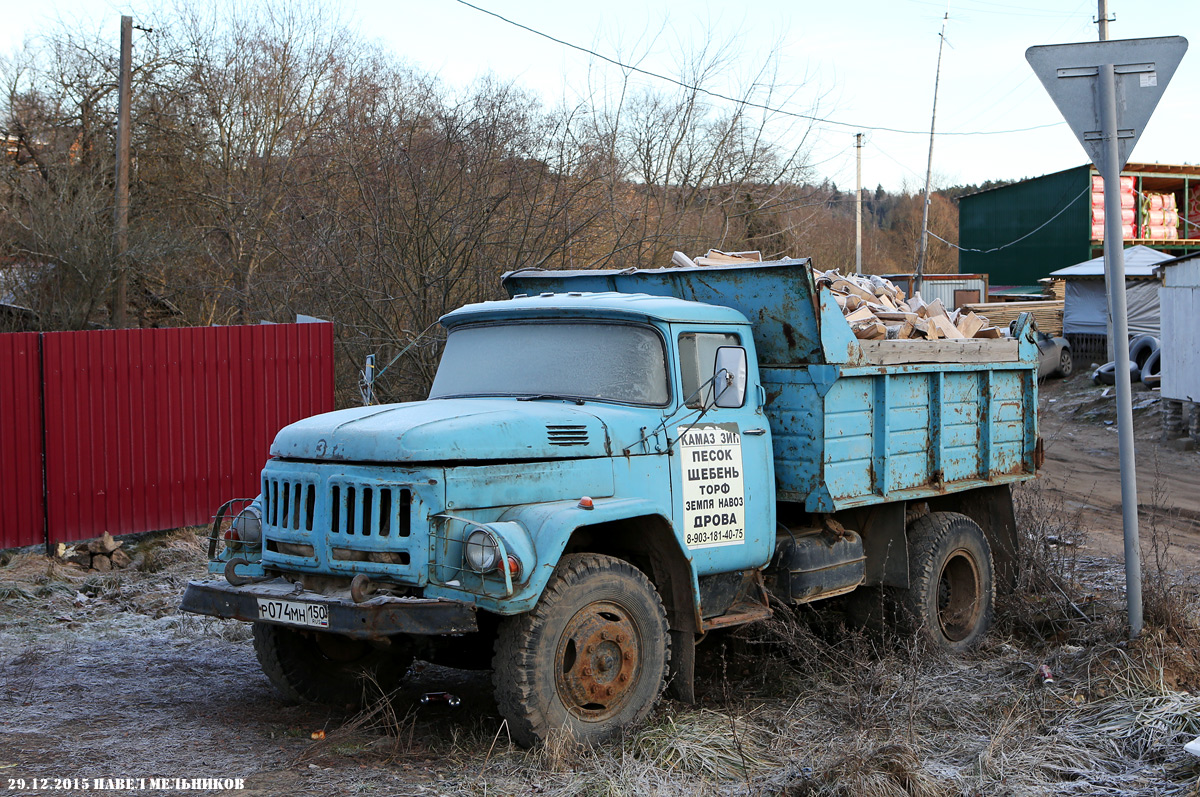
x=697, y=354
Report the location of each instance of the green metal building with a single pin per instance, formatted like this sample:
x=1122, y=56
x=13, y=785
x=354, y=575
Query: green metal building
x=1025, y=230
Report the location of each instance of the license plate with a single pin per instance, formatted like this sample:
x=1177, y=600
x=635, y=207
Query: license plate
x=294, y=612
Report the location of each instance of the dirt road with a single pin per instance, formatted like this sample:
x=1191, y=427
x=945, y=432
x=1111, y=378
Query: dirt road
x=101, y=679
x=1078, y=423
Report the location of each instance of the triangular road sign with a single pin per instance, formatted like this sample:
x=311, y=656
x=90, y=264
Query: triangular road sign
x=1142, y=67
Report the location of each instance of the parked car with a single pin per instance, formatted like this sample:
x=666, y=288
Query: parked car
x=1054, y=356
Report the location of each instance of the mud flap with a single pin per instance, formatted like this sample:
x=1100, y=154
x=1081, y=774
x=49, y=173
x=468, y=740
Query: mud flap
x=682, y=684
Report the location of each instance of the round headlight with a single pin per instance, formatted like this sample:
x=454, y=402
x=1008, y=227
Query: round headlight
x=247, y=526
x=482, y=552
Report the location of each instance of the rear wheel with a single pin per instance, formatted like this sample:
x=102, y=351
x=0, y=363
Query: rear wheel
x=590, y=658
x=952, y=589
x=327, y=668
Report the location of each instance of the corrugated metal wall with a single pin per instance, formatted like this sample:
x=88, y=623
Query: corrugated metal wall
x=22, y=521
x=153, y=429
x=1002, y=215
x=1180, y=299
x=944, y=289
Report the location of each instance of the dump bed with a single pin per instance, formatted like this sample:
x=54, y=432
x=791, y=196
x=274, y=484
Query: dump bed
x=856, y=422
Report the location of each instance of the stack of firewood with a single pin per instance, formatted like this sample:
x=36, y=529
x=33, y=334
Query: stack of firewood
x=877, y=310
x=103, y=554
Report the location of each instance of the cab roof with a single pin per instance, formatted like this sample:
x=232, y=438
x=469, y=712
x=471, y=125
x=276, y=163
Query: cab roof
x=578, y=304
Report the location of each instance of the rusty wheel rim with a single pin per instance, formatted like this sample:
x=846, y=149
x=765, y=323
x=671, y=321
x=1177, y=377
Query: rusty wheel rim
x=958, y=603
x=597, y=661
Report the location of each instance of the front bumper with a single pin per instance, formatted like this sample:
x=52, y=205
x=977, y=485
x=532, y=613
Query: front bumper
x=378, y=617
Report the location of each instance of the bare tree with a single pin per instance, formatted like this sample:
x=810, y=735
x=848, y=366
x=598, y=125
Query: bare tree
x=281, y=165
x=688, y=170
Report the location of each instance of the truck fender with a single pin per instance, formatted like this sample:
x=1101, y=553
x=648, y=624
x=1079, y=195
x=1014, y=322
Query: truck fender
x=552, y=524
x=666, y=562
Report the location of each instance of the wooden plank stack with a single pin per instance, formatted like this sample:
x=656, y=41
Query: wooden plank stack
x=877, y=310
x=715, y=257
x=1053, y=288
x=1047, y=315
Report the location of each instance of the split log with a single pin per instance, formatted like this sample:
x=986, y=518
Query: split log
x=970, y=324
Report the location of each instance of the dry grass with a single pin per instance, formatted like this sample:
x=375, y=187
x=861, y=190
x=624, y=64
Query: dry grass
x=798, y=705
x=713, y=745
x=801, y=706
x=1169, y=599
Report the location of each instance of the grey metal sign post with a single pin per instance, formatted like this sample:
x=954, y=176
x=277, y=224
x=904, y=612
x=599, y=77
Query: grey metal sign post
x=1107, y=92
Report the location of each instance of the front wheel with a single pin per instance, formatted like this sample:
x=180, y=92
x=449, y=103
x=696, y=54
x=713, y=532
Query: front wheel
x=952, y=590
x=590, y=658
x=327, y=668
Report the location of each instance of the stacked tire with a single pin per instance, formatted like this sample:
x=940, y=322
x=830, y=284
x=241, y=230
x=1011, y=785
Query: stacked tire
x=1145, y=360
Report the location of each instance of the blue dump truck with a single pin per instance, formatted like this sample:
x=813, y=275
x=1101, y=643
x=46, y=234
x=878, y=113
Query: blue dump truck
x=610, y=465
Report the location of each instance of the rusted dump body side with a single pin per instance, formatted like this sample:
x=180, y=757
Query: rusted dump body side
x=847, y=437
x=855, y=424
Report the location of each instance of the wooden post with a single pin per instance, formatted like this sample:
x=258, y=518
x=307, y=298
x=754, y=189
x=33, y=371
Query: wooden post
x=120, y=301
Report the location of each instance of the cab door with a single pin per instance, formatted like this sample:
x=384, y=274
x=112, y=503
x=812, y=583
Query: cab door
x=723, y=474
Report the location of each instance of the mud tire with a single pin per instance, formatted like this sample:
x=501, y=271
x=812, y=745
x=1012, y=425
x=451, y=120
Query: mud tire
x=952, y=590
x=326, y=668
x=548, y=660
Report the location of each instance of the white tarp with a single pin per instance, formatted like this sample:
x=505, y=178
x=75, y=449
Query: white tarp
x=1140, y=261
x=1086, y=308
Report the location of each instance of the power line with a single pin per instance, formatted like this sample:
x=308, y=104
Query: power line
x=1001, y=9
x=743, y=102
x=1045, y=224
x=904, y=166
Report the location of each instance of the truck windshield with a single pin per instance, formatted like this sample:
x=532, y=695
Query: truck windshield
x=609, y=362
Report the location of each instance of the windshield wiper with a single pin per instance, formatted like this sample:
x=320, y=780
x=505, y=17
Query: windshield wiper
x=539, y=396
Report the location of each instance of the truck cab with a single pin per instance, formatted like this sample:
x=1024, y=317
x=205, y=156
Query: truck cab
x=585, y=427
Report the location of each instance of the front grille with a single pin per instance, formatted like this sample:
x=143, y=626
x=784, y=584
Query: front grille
x=289, y=504
x=341, y=522
x=567, y=435
x=358, y=510
x=379, y=557
x=291, y=548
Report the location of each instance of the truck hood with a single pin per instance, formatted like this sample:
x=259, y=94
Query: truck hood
x=446, y=430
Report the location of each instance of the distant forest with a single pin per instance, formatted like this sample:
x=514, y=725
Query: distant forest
x=283, y=166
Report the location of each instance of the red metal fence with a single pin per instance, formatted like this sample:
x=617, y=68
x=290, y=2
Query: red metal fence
x=151, y=429
x=22, y=513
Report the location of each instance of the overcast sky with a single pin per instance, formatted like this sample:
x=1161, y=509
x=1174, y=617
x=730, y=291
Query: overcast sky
x=868, y=64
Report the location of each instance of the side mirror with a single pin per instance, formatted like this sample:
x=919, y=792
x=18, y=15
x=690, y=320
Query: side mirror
x=729, y=385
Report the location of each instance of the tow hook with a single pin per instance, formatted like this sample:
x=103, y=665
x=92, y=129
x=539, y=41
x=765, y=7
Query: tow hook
x=231, y=573
x=361, y=588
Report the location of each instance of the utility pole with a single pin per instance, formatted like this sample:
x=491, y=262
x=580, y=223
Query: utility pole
x=923, y=245
x=121, y=220
x=1110, y=342
x=858, y=207
x=1102, y=19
